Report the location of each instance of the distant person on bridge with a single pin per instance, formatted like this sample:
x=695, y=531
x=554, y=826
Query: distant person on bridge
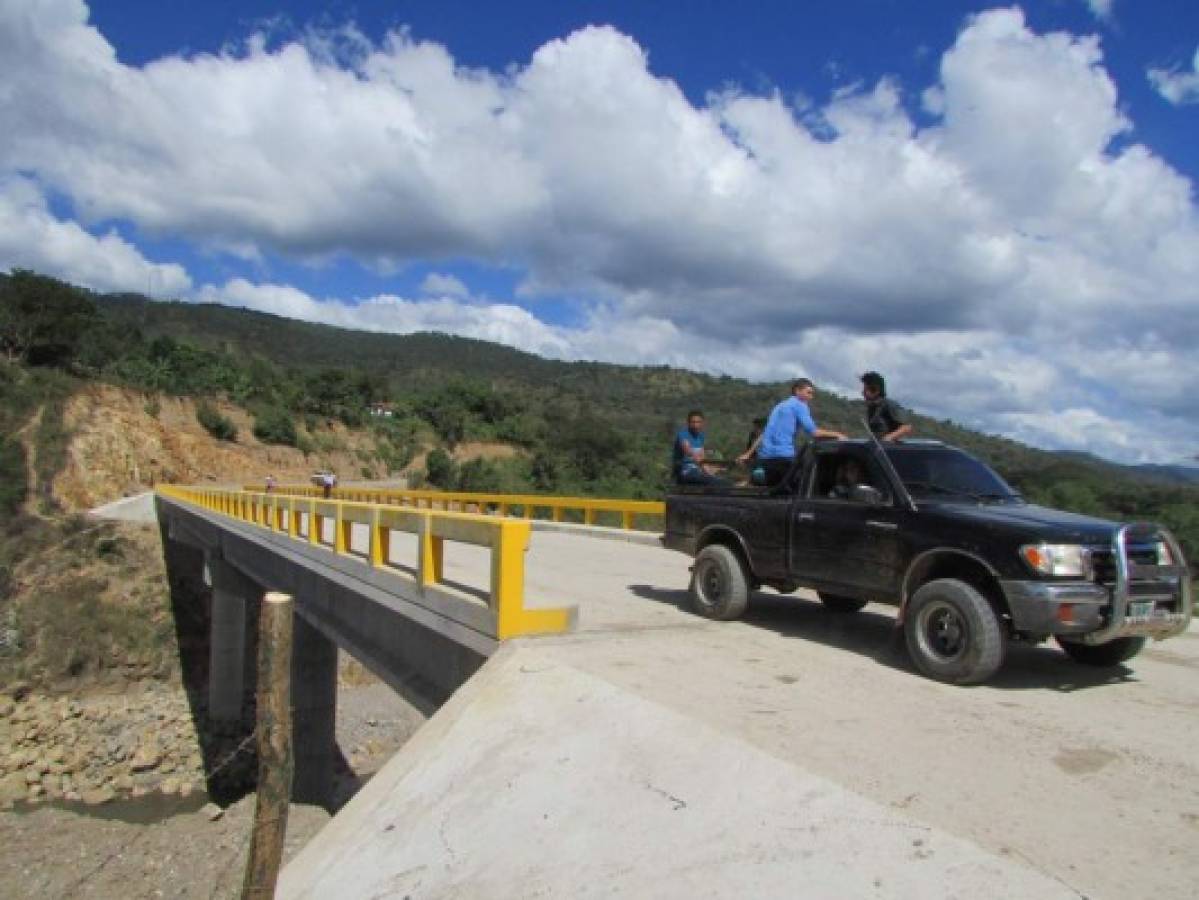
x=882, y=415
x=777, y=450
x=270, y=483
x=688, y=453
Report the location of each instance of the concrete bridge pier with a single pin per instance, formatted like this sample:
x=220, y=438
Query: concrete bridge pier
x=232, y=595
x=314, y=713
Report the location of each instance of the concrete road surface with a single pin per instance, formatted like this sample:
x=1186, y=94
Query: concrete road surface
x=1088, y=775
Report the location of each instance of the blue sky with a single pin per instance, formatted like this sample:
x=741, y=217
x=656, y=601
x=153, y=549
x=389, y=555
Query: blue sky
x=995, y=205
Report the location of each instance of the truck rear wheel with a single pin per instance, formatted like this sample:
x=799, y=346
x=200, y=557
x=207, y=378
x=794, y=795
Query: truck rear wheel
x=1110, y=654
x=719, y=587
x=952, y=633
x=835, y=603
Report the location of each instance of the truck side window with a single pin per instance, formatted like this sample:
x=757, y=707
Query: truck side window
x=837, y=473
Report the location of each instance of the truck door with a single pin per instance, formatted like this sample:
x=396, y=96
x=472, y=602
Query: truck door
x=841, y=542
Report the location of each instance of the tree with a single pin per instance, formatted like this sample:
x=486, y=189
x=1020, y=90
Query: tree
x=42, y=320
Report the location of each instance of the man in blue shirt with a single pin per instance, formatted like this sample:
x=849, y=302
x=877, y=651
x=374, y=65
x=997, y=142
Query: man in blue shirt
x=688, y=453
x=777, y=450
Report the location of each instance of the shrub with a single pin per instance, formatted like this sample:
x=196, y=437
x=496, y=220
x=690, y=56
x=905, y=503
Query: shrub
x=220, y=427
x=13, y=476
x=274, y=425
x=440, y=470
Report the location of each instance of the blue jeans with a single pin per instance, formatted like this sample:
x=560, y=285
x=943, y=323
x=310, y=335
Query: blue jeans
x=696, y=475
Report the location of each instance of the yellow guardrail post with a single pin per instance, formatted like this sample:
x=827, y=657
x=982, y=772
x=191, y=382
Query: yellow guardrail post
x=293, y=518
x=430, y=567
x=341, y=533
x=314, y=522
x=626, y=518
x=513, y=618
x=380, y=539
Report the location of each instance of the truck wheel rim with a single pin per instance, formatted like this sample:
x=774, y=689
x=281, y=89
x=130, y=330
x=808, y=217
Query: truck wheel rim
x=711, y=583
x=944, y=632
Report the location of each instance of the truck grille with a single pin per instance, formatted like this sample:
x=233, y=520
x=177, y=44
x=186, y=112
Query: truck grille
x=1103, y=566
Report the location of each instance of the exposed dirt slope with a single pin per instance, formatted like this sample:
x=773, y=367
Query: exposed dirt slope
x=119, y=448
x=124, y=442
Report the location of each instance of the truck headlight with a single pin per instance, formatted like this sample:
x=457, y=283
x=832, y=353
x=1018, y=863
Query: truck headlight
x=1056, y=559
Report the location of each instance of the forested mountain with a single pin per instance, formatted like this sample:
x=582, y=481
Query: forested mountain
x=583, y=427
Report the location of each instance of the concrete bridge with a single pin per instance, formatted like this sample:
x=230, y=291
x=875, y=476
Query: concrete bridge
x=591, y=736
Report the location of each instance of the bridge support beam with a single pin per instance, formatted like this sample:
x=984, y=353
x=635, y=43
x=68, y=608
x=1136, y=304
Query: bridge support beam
x=314, y=713
x=232, y=594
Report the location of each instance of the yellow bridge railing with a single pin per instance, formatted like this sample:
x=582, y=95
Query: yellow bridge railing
x=588, y=509
x=308, y=518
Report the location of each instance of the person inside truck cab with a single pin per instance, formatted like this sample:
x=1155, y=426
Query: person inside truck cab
x=777, y=450
x=688, y=453
x=849, y=473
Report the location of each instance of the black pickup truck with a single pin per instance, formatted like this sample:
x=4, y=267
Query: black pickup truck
x=930, y=529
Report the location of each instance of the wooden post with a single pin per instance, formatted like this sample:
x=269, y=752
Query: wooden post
x=274, y=748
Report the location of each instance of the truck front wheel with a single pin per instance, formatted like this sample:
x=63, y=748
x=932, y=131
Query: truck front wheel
x=1110, y=654
x=719, y=587
x=952, y=632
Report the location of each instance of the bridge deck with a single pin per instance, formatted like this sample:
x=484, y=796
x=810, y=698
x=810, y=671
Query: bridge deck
x=790, y=754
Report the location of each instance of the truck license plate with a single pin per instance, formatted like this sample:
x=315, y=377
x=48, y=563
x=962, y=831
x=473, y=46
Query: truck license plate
x=1141, y=609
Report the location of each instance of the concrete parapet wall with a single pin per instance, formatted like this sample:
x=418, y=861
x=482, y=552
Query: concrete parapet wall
x=376, y=616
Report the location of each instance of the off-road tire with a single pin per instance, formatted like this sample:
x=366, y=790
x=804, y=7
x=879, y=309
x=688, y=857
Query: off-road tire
x=719, y=586
x=953, y=634
x=1105, y=655
x=842, y=606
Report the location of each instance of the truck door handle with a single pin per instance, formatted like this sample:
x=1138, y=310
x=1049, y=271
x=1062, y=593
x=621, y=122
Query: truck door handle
x=806, y=517
x=884, y=526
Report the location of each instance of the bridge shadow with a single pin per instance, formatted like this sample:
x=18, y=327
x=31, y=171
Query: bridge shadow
x=873, y=633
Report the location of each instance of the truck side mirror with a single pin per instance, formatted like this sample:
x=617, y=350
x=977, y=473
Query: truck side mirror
x=867, y=494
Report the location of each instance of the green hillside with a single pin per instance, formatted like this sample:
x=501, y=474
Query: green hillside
x=585, y=427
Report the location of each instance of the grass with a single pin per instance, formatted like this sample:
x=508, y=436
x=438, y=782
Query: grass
x=83, y=602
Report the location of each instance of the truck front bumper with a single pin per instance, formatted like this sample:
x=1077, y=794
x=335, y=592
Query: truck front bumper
x=1040, y=607
x=1144, y=601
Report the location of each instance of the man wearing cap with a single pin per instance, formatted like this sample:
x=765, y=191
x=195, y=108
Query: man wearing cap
x=882, y=415
x=777, y=450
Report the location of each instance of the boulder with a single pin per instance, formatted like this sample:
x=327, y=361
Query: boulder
x=12, y=788
x=147, y=756
x=98, y=796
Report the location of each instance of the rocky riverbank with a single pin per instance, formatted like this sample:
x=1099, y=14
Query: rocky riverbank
x=102, y=747
x=95, y=749
x=103, y=793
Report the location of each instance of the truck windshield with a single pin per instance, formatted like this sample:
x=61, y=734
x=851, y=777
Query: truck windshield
x=947, y=473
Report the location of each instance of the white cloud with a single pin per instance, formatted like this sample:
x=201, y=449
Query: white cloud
x=445, y=284
x=1008, y=263
x=31, y=237
x=502, y=323
x=1101, y=9
x=1178, y=87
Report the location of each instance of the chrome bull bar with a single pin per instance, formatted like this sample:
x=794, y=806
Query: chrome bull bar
x=1158, y=626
